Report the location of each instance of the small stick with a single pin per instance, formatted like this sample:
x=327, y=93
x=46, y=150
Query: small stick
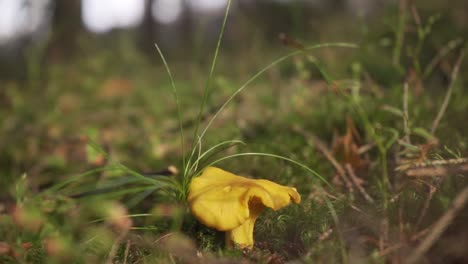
x=327, y=153
x=440, y=226
x=320, y=192
x=418, y=235
x=127, y=250
x=355, y=180
x=325, y=234
x=442, y=52
x=448, y=95
x=383, y=239
x=355, y=208
x=401, y=234
x=427, y=202
x=163, y=237
x=397, y=246
x=390, y=249
x=437, y=170
x=366, y=148
x=435, y=167
x=115, y=247
x=406, y=115
x=395, y=197
x=415, y=14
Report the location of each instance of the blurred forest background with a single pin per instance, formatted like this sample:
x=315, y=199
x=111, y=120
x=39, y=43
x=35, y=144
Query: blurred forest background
x=187, y=29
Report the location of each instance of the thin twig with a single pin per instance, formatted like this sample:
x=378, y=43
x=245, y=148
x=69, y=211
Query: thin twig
x=327, y=153
x=383, y=238
x=448, y=95
x=406, y=115
x=415, y=14
x=440, y=226
x=427, y=202
x=366, y=148
x=355, y=208
x=390, y=249
x=163, y=237
x=400, y=33
x=356, y=182
x=395, y=197
x=418, y=235
x=442, y=52
x=323, y=236
x=127, y=250
x=397, y=246
x=435, y=163
x=317, y=192
x=435, y=167
x=440, y=170
x=115, y=246
x=401, y=224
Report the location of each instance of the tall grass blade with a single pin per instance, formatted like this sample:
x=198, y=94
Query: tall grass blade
x=223, y=144
x=272, y=64
x=305, y=167
x=64, y=183
x=210, y=78
x=176, y=97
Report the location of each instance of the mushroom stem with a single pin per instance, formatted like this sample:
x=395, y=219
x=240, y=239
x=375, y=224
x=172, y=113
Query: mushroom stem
x=242, y=235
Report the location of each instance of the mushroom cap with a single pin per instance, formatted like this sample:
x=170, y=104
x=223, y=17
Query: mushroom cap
x=224, y=201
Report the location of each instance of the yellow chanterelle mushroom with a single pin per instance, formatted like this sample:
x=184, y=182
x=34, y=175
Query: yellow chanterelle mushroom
x=231, y=203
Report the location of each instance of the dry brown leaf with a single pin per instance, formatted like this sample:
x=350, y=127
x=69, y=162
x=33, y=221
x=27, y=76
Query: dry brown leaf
x=115, y=88
x=346, y=147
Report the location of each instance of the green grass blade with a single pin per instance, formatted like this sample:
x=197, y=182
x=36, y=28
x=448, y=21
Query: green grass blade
x=135, y=200
x=272, y=64
x=62, y=184
x=140, y=176
x=320, y=68
x=130, y=216
x=393, y=138
x=305, y=167
x=210, y=78
x=118, y=193
x=230, y=143
x=176, y=97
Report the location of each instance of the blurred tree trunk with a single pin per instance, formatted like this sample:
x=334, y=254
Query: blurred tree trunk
x=174, y=39
x=66, y=27
x=294, y=18
x=147, y=30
